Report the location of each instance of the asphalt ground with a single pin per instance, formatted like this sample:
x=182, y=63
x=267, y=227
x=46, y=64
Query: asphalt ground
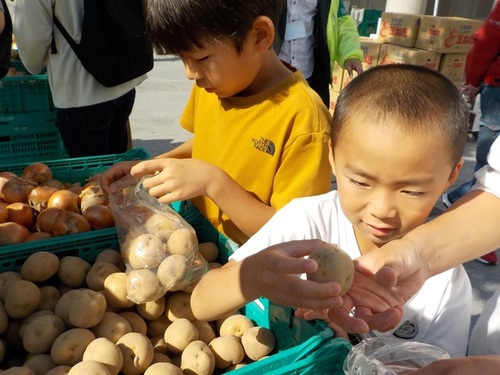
x=159, y=104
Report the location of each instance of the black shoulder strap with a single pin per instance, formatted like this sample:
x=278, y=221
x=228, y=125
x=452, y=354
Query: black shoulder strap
x=66, y=36
x=5, y=41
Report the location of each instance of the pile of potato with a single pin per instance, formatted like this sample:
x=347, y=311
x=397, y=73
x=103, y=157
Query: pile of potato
x=67, y=316
x=35, y=206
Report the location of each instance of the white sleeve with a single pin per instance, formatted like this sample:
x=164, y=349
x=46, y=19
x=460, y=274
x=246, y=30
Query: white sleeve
x=488, y=177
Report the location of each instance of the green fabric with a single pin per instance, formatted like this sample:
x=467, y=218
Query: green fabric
x=342, y=36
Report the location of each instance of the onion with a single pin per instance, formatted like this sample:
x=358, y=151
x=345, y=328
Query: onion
x=36, y=236
x=16, y=190
x=55, y=183
x=45, y=219
x=38, y=199
x=92, y=195
x=12, y=233
x=38, y=172
x=21, y=213
x=7, y=175
x=3, y=212
x=75, y=188
x=65, y=200
x=99, y=217
x=69, y=223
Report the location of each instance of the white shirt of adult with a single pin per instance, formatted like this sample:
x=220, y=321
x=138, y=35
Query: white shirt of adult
x=71, y=85
x=298, y=44
x=438, y=314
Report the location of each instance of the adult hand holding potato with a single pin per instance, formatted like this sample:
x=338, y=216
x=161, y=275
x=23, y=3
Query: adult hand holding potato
x=115, y=173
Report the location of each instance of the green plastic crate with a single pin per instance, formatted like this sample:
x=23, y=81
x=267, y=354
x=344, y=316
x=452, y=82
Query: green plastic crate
x=302, y=347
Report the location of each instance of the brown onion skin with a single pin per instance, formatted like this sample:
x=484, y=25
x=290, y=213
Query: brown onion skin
x=91, y=195
x=99, y=217
x=36, y=236
x=65, y=200
x=38, y=199
x=3, y=212
x=68, y=222
x=38, y=172
x=45, y=219
x=21, y=213
x=16, y=190
x=12, y=233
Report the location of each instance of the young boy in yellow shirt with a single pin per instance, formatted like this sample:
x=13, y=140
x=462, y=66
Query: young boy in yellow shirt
x=398, y=136
x=260, y=133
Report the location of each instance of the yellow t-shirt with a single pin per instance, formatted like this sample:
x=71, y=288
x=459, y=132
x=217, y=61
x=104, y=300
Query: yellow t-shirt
x=274, y=144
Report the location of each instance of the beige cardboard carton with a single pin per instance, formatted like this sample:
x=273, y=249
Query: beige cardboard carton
x=333, y=99
x=399, y=28
x=337, y=78
x=452, y=65
x=393, y=54
x=447, y=34
x=346, y=79
x=371, y=50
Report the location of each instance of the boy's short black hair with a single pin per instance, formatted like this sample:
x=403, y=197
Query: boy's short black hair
x=418, y=99
x=177, y=26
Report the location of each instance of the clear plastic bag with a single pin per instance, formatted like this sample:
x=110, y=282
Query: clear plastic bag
x=390, y=356
x=158, y=246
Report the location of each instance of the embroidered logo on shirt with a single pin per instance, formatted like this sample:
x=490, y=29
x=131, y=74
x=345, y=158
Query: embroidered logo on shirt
x=264, y=145
x=407, y=330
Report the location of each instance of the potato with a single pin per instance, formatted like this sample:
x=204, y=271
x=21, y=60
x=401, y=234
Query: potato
x=235, y=325
x=41, y=333
x=158, y=326
x=159, y=345
x=32, y=317
x=209, y=251
x=50, y=295
x=227, y=351
x=145, y=251
x=40, y=266
x=4, y=319
x=183, y=241
x=160, y=225
x=151, y=310
x=173, y=271
x=143, y=286
x=89, y=368
x=136, y=321
x=87, y=308
x=112, y=327
x=105, y=352
x=18, y=370
x=334, y=264
x=206, y=331
x=163, y=368
x=258, y=342
x=197, y=359
x=21, y=299
x=137, y=353
x=99, y=271
x=160, y=357
x=73, y=271
x=5, y=279
x=179, y=306
x=40, y=364
x=115, y=290
x=59, y=370
x=62, y=306
x=179, y=335
x=111, y=256
x=69, y=346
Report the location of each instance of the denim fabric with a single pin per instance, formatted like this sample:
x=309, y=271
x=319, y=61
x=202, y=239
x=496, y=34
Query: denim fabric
x=98, y=129
x=489, y=128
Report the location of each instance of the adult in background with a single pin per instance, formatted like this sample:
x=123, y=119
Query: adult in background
x=312, y=35
x=91, y=118
x=482, y=75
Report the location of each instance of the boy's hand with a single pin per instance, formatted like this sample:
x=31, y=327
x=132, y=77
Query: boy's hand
x=274, y=274
x=385, y=279
x=115, y=173
x=175, y=179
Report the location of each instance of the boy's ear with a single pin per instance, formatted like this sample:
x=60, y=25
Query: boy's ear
x=331, y=158
x=454, y=174
x=263, y=32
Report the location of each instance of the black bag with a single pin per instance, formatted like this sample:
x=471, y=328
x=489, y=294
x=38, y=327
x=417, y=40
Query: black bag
x=114, y=47
x=5, y=42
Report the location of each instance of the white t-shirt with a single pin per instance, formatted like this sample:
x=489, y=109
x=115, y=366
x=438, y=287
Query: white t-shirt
x=439, y=314
x=485, y=336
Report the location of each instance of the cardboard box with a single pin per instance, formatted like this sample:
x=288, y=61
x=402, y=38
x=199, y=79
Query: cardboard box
x=337, y=78
x=399, y=28
x=447, y=34
x=371, y=51
x=346, y=79
x=393, y=54
x=452, y=66
x=333, y=99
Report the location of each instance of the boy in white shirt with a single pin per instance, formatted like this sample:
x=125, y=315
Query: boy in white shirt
x=397, y=141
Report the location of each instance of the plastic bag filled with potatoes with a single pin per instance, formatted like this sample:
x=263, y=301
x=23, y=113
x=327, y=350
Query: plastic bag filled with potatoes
x=158, y=246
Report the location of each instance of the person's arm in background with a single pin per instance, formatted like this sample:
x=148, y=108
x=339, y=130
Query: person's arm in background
x=348, y=51
x=33, y=32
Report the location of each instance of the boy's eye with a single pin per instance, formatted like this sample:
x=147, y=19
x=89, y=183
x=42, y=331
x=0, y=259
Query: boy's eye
x=413, y=193
x=201, y=58
x=359, y=183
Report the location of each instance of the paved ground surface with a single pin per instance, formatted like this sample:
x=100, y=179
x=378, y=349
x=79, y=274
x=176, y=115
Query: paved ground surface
x=159, y=104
